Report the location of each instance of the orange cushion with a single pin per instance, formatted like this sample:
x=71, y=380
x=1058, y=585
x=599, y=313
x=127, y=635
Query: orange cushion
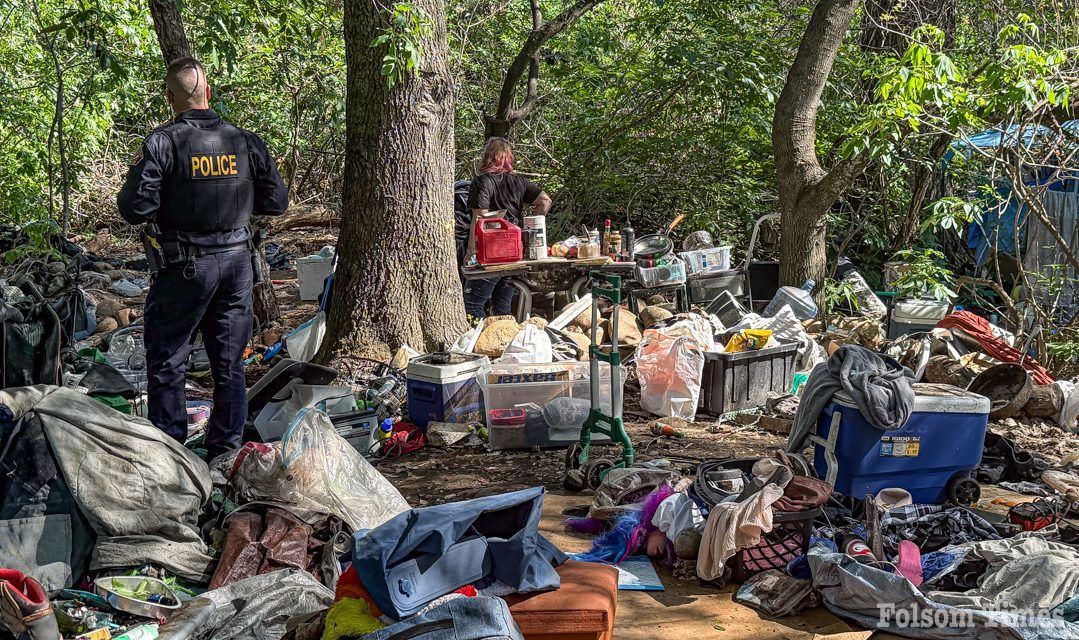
x=582, y=609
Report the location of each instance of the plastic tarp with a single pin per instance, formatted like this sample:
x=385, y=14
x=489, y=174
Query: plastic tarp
x=255, y=608
x=1043, y=254
x=315, y=469
x=886, y=601
x=140, y=490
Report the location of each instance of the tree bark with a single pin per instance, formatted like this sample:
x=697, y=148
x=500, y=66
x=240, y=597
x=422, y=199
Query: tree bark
x=806, y=191
x=920, y=183
x=528, y=59
x=169, y=25
x=396, y=281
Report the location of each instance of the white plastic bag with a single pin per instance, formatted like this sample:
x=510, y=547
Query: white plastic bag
x=315, y=469
x=531, y=345
x=304, y=341
x=467, y=342
x=1070, y=411
x=669, y=369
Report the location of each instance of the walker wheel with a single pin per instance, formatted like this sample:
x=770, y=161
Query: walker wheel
x=573, y=457
x=593, y=472
x=573, y=481
x=964, y=491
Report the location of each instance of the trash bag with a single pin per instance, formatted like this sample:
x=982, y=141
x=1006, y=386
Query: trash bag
x=254, y=608
x=304, y=341
x=315, y=469
x=669, y=370
x=531, y=345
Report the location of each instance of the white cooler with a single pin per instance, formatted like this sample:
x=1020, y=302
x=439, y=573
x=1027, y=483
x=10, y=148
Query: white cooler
x=916, y=316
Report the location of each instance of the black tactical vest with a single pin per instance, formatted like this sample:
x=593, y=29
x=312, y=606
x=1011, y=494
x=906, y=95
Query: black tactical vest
x=211, y=187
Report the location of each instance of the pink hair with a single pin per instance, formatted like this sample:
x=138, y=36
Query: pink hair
x=497, y=157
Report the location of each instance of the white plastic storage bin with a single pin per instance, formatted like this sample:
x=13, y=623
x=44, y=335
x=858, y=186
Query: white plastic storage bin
x=916, y=316
x=707, y=260
x=541, y=405
x=672, y=273
x=311, y=272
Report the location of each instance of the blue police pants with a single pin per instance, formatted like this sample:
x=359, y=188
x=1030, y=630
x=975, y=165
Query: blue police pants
x=498, y=291
x=216, y=300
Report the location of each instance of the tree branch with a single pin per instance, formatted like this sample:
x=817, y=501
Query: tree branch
x=528, y=59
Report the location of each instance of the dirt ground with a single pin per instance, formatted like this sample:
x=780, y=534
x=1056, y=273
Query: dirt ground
x=685, y=609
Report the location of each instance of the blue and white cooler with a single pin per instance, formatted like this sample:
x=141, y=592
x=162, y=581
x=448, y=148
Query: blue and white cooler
x=931, y=456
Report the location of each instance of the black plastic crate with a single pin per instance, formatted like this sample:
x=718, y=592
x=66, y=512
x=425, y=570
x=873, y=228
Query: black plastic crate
x=735, y=381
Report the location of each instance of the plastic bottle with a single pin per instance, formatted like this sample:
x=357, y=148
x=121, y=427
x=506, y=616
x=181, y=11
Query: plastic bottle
x=800, y=300
x=385, y=430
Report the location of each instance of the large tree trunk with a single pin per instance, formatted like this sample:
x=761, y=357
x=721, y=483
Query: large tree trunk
x=806, y=191
x=396, y=280
x=169, y=26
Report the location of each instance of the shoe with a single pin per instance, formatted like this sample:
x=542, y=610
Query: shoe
x=25, y=609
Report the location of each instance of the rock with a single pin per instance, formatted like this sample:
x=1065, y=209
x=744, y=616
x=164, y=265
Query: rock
x=489, y=320
x=496, y=336
x=651, y=315
x=106, y=325
x=108, y=305
x=629, y=334
x=581, y=341
x=583, y=319
x=540, y=323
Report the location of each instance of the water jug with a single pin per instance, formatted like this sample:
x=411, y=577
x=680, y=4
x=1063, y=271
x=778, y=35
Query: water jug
x=497, y=240
x=800, y=300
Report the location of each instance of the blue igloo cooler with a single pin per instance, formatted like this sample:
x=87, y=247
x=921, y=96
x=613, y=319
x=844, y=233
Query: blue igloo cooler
x=940, y=444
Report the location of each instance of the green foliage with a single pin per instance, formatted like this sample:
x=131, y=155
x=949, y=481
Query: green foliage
x=926, y=275
x=839, y=296
x=401, y=41
x=951, y=214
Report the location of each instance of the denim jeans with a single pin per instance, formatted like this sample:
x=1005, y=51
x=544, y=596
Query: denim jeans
x=498, y=291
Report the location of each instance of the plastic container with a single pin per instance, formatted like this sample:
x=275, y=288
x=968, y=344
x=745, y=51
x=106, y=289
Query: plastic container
x=707, y=260
x=868, y=303
x=444, y=391
x=916, y=316
x=311, y=273
x=735, y=381
x=674, y=272
x=554, y=398
x=727, y=308
x=497, y=241
x=941, y=441
x=799, y=300
x=705, y=288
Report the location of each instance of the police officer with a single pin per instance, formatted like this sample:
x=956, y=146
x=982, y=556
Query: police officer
x=196, y=184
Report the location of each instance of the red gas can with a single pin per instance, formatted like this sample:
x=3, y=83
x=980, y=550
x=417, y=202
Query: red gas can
x=497, y=240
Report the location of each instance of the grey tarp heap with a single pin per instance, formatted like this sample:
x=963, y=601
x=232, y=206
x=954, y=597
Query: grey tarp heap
x=882, y=388
x=878, y=599
x=140, y=490
x=425, y=553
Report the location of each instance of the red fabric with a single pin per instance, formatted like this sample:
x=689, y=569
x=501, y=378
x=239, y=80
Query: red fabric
x=350, y=586
x=978, y=328
x=24, y=587
x=468, y=591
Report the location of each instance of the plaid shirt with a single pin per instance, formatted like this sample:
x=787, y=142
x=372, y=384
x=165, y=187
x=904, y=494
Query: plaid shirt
x=920, y=522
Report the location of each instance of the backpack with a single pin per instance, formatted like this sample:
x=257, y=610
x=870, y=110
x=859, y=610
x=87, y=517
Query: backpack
x=462, y=618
